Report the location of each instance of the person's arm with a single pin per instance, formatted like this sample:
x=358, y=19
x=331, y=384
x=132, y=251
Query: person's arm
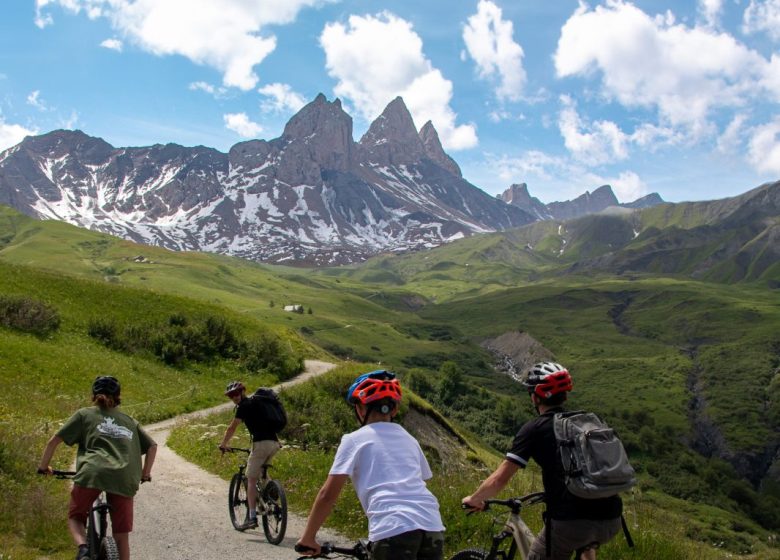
x=146, y=472
x=48, y=453
x=492, y=485
x=323, y=505
x=229, y=433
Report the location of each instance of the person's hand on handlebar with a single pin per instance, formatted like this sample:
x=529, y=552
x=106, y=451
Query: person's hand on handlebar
x=46, y=471
x=223, y=448
x=308, y=548
x=469, y=503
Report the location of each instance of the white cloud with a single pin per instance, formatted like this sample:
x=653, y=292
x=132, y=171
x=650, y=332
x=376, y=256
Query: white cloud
x=376, y=58
x=112, y=44
x=764, y=147
x=12, y=134
x=217, y=91
x=603, y=143
x=228, y=35
x=627, y=186
x=35, y=100
x=241, y=125
x=763, y=15
x=731, y=140
x=533, y=163
x=685, y=73
x=488, y=39
x=280, y=98
x=711, y=11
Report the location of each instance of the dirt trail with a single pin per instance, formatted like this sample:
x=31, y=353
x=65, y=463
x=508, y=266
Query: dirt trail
x=183, y=513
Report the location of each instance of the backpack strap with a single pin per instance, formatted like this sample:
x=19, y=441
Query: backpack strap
x=547, y=534
x=629, y=540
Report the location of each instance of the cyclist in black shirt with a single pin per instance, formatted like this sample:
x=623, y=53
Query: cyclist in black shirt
x=265, y=442
x=571, y=523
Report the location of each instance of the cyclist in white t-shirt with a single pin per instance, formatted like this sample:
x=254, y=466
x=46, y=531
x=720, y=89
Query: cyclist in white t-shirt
x=388, y=470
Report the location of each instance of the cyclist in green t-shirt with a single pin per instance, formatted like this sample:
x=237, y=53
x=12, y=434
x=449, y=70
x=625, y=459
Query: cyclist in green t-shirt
x=110, y=446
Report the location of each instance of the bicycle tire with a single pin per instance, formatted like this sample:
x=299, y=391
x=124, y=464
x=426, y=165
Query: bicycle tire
x=238, y=507
x=108, y=549
x=275, y=513
x=93, y=538
x=470, y=554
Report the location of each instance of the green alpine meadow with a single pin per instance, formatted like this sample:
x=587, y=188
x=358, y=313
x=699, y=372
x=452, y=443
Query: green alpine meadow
x=668, y=319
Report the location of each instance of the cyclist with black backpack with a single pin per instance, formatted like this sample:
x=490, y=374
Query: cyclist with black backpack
x=264, y=418
x=576, y=520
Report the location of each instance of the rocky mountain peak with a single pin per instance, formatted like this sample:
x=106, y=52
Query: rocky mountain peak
x=516, y=194
x=602, y=196
x=319, y=135
x=434, y=150
x=392, y=138
x=69, y=142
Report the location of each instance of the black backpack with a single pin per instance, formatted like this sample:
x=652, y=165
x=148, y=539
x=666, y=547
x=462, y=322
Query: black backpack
x=270, y=409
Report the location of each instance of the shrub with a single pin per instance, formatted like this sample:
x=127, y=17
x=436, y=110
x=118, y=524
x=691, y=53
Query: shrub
x=28, y=315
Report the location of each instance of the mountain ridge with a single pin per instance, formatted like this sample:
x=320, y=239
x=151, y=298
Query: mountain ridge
x=311, y=196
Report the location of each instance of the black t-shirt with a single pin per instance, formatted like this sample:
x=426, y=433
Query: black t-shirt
x=250, y=412
x=536, y=440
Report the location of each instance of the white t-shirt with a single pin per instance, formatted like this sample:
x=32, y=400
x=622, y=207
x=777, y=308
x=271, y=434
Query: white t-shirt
x=388, y=470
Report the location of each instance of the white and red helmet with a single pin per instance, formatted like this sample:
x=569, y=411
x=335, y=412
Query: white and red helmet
x=547, y=379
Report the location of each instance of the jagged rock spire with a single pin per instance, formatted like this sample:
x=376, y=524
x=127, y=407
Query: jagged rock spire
x=392, y=138
x=433, y=149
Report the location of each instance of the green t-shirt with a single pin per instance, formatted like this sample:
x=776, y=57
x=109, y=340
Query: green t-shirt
x=110, y=448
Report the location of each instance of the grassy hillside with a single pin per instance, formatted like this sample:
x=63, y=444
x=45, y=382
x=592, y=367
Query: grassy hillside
x=685, y=369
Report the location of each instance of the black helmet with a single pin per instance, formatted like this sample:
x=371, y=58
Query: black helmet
x=106, y=385
x=233, y=387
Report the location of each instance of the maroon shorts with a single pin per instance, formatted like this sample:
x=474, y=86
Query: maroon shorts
x=121, y=508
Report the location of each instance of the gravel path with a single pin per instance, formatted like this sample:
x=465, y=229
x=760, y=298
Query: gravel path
x=183, y=515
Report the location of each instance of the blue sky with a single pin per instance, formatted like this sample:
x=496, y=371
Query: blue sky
x=678, y=97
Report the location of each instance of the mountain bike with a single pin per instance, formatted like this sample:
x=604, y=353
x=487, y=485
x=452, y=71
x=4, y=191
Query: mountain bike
x=271, y=501
x=102, y=546
x=359, y=550
x=515, y=537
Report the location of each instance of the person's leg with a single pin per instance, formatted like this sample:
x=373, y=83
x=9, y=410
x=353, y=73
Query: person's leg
x=78, y=511
x=262, y=451
x=121, y=522
x=432, y=546
x=399, y=547
x=123, y=544
x=571, y=535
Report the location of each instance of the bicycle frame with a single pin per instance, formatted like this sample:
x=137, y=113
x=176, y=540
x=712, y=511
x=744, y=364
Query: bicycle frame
x=514, y=528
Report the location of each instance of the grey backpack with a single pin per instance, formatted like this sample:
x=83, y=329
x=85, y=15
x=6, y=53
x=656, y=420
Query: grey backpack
x=595, y=463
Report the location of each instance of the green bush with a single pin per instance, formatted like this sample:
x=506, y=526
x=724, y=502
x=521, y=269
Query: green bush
x=28, y=315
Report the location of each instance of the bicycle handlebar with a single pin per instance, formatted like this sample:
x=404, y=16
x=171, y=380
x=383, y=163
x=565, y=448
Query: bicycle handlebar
x=235, y=449
x=515, y=504
x=329, y=548
x=62, y=474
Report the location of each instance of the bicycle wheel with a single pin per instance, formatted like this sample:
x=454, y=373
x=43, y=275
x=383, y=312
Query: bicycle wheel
x=237, y=503
x=470, y=554
x=275, y=513
x=108, y=549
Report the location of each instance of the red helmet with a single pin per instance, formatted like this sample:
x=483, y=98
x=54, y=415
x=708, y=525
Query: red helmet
x=546, y=379
x=373, y=386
